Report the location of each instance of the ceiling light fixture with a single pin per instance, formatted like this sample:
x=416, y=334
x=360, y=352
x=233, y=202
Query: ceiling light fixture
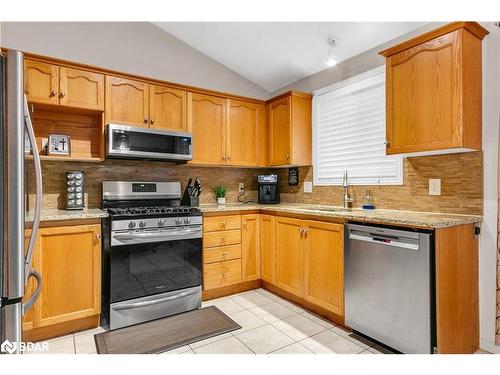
x=331, y=59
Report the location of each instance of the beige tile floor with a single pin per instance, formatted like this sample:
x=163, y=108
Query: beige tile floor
x=269, y=324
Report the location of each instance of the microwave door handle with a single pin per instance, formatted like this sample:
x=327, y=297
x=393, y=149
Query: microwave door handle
x=38, y=187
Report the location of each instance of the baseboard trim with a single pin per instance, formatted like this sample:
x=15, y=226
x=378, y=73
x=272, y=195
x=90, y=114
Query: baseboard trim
x=230, y=289
x=61, y=329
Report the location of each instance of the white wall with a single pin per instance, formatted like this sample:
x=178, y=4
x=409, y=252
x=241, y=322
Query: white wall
x=139, y=48
x=488, y=238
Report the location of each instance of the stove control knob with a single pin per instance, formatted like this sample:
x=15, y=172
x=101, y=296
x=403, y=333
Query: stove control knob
x=187, y=220
x=131, y=224
x=142, y=224
x=178, y=221
x=161, y=222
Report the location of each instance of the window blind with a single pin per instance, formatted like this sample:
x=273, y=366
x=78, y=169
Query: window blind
x=349, y=133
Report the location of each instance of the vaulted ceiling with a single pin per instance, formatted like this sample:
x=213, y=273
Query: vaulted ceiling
x=275, y=54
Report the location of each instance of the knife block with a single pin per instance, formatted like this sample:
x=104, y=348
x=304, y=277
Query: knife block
x=188, y=200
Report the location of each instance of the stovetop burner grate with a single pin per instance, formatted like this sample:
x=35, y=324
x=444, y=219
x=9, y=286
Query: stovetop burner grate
x=151, y=211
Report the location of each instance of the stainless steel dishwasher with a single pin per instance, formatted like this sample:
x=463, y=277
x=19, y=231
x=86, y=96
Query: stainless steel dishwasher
x=389, y=286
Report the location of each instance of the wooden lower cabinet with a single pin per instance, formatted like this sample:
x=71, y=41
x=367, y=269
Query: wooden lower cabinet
x=250, y=249
x=267, y=248
x=69, y=261
x=324, y=265
x=290, y=255
x=222, y=252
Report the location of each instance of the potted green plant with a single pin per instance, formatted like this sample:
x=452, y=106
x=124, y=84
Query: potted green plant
x=220, y=194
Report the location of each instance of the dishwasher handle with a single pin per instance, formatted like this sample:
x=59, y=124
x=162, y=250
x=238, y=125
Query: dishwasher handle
x=390, y=241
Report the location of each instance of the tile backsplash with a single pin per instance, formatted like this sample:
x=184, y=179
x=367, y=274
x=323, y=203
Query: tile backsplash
x=461, y=186
x=461, y=183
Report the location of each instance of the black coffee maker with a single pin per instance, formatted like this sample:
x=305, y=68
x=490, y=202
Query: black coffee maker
x=268, y=189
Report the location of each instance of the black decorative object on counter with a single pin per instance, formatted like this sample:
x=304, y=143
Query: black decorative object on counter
x=191, y=195
x=75, y=198
x=293, y=176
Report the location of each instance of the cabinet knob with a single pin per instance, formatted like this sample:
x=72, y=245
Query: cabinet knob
x=228, y=157
x=98, y=236
x=223, y=158
x=387, y=144
x=53, y=93
x=145, y=120
x=224, y=274
x=223, y=223
x=62, y=94
x=152, y=121
x=287, y=156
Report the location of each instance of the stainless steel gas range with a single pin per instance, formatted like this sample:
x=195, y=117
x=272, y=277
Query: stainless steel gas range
x=152, y=253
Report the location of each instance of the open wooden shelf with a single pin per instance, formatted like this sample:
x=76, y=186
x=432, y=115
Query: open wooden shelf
x=65, y=158
x=86, y=131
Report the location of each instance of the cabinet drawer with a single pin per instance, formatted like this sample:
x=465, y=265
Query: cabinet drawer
x=220, y=274
x=221, y=254
x=223, y=238
x=211, y=224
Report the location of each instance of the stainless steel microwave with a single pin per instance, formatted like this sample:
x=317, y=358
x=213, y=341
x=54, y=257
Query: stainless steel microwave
x=133, y=142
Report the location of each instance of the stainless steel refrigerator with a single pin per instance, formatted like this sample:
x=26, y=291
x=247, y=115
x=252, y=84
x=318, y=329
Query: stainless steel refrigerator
x=15, y=267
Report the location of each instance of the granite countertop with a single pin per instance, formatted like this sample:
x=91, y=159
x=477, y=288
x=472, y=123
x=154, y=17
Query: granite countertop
x=381, y=216
x=56, y=215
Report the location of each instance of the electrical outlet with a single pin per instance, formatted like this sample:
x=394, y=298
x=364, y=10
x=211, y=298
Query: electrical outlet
x=241, y=187
x=434, y=186
x=308, y=187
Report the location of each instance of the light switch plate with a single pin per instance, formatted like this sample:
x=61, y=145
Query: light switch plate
x=434, y=186
x=308, y=187
x=241, y=187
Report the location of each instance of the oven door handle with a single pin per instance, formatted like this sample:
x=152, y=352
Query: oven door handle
x=160, y=234
x=154, y=302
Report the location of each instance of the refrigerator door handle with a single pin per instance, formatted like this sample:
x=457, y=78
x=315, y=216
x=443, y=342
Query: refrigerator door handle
x=36, y=293
x=38, y=204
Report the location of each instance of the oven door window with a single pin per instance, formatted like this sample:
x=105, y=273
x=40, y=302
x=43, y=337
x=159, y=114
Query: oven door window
x=148, y=269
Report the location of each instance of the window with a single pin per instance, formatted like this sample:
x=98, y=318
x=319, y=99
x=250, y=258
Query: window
x=349, y=133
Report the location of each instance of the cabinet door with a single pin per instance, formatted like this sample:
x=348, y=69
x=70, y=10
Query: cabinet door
x=127, y=102
x=30, y=287
x=290, y=255
x=69, y=260
x=324, y=265
x=422, y=96
x=243, y=120
x=267, y=248
x=250, y=249
x=167, y=108
x=41, y=82
x=206, y=120
x=279, y=125
x=81, y=89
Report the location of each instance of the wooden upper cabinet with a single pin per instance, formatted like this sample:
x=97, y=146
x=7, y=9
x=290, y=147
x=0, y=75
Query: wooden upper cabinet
x=250, y=247
x=207, y=122
x=167, y=108
x=290, y=255
x=242, y=136
x=126, y=102
x=41, y=82
x=290, y=134
x=81, y=89
x=324, y=265
x=267, y=248
x=279, y=125
x=433, y=90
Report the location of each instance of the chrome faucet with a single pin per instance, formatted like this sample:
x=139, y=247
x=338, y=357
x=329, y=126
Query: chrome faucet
x=347, y=197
